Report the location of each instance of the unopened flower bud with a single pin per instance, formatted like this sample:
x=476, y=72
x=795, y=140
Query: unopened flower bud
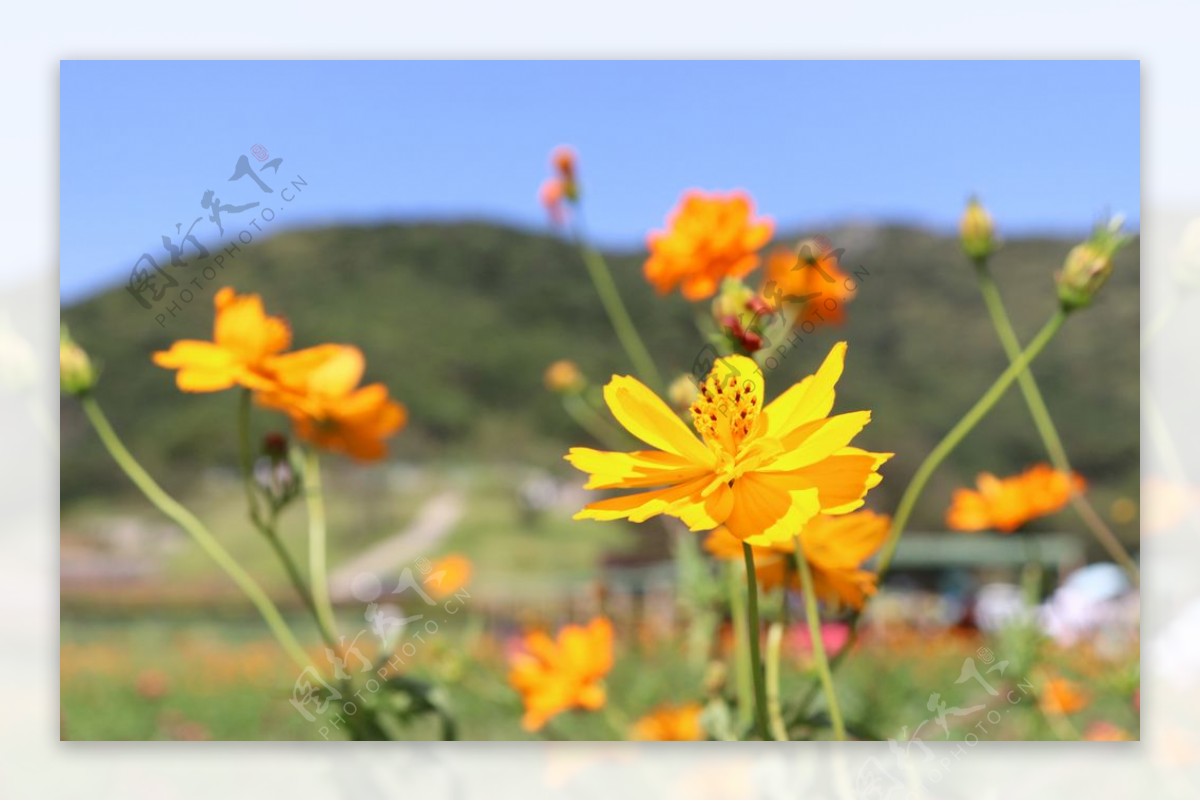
x=563, y=159
x=737, y=310
x=978, y=234
x=564, y=377
x=76, y=373
x=682, y=393
x=1088, y=266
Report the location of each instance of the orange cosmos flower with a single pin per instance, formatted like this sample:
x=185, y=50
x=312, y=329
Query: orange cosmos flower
x=1006, y=504
x=671, y=723
x=1061, y=697
x=563, y=376
x=448, y=575
x=761, y=472
x=244, y=339
x=554, y=676
x=808, y=283
x=563, y=159
x=711, y=237
x=318, y=389
x=551, y=195
x=836, y=547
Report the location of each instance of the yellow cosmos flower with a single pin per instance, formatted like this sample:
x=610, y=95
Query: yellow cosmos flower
x=763, y=472
x=245, y=338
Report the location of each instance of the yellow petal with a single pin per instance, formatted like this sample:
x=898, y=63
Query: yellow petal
x=817, y=440
x=841, y=480
x=641, y=506
x=649, y=419
x=202, y=366
x=809, y=400
x=611, y=469
x=766, y=511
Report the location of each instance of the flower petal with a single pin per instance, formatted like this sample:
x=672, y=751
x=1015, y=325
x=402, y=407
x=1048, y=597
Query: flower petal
x=809, y=400
x=766, y=511
x=649, y=419
x=613, y=469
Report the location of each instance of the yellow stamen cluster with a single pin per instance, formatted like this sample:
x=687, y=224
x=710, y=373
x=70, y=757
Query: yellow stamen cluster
x=727, y=407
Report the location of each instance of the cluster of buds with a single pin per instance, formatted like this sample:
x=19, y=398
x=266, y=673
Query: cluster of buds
x=739, y=312
x=1089, y=264
x=77, y=375
x=274, y=472
x=563, y=188
x=977, y=232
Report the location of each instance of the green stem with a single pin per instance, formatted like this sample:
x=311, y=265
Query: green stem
x=926, y=469
x=752, y=637
x=741, y=657
x=956, y=434
x=587, y=419
x=317, y=572
x=247, y=459
x=818, y=642
x=1045, y=423
x=189, y=523
x=618, y=315
x=774, y=649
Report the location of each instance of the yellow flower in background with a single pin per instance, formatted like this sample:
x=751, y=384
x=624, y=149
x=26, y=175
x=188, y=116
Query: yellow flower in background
x=448, y=575
x=245, y=338
x=670, y=723
x=318, y=388
x=563, y=376
x=834, y=545
x=711, y=236
x=1006, y=504
x=557, y=675
x=761, y=472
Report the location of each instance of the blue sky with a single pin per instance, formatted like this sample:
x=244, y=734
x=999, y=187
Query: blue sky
x=1049, y=146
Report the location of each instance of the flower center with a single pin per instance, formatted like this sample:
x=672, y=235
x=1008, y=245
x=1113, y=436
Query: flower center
x=726, y=409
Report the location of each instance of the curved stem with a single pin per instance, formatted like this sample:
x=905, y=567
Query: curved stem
x=774, y=714
x=587, y=419
x=752, y=637
x=618, y=315
x=201, y=535
x=818, y=643
x=956, y=434
x=1045, y=423
x=317, y=572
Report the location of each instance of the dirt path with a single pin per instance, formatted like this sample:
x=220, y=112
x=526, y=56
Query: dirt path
x=433, y=522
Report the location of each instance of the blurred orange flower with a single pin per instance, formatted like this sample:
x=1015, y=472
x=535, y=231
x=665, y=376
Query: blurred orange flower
x=762, y=472
x=1103, y=731
x=673, y=723
x=836, y=547
x=244, y=339
x=563, y=376
x=710, y=237
x=563, y=159
x=554, y=676
x=1006, y=504
x=551, y=195
x=808, y=283
x=318, y=389
x=448, y=575
x=1061, y=697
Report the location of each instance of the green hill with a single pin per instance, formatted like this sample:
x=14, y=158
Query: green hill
x=460, y=320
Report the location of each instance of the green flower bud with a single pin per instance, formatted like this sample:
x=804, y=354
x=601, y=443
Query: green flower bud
x=76, y=373
x=1088, y=266
x=978, y=234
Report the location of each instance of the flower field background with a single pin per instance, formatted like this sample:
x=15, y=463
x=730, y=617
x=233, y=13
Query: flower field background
x=460, y=322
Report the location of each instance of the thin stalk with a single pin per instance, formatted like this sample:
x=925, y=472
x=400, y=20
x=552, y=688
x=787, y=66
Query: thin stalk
x=940, y=451
x=741, y=657
x=960, y=430
x=317, y=572
x=587, y=418
x=1045, y=423
x=818, y=642
x=618, y=315
x=752, y=635
x=196, y=530
x=774, y=712
x=267, y=527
